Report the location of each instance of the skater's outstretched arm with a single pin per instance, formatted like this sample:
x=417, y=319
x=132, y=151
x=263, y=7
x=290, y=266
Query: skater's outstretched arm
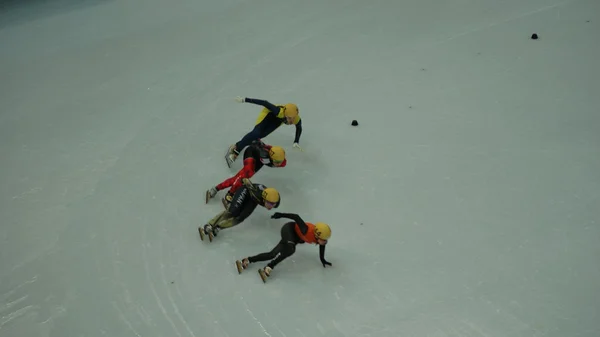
x=272, y=107
x=297, y=219
x=322, y=256
x=298, y=132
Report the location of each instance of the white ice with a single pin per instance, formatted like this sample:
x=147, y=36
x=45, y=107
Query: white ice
x=464, y=204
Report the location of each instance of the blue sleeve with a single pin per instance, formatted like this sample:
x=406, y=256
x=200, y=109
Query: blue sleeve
x=270, y=106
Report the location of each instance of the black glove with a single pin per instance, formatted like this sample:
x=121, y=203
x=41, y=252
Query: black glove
x=276, y=215
x=325, y=263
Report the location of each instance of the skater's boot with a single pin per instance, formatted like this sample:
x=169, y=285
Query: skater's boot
x=241, y=265
x=204, y=231
x=211, y=193
x=208, y=230
x=265, y=273
x=232, y=155
x=201, y=232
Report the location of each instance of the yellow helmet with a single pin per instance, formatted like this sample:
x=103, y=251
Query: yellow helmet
x=291, y=110
x=270, y=195
x=322, y=231
x=277, y=154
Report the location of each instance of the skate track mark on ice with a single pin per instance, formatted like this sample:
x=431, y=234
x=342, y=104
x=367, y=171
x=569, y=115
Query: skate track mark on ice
x=280, y=331
x=7, y=304
x=169, y=295
x=510, y=19
x=118, y=279
x=254, y=317
x=151, y=284
x=123, y=318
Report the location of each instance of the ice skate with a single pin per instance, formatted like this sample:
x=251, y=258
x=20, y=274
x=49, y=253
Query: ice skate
x=211, y=193
x=265, y=273
x=231, y=155
x=207, y=230
x=241, y=265
x=202, y=234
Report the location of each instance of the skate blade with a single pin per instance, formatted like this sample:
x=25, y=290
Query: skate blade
x=227, y=160
x=210, y=236
x=263, y=276
x=239, y=266
x=207, y=196
x=201, y=231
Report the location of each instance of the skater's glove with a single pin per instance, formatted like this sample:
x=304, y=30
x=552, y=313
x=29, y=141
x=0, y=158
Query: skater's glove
x=276, y=215
x=240, y=99
x=297, y=146
x=246, y=181
x=326, y=263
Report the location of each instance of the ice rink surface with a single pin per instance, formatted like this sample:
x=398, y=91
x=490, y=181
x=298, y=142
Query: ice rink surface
x=464, y=204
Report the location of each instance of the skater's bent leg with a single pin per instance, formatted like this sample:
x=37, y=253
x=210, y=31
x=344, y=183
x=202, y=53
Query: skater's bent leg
x=226, y=183
x=227, y=222
x=269, y=126
x=238, y=212
x=267, y=256
x=246, y=172
x=289, y=248
x=230, y=182
x=287, y=245
x=219, y=217
x=285, y=248
x=261, y=130
x=249, y=138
